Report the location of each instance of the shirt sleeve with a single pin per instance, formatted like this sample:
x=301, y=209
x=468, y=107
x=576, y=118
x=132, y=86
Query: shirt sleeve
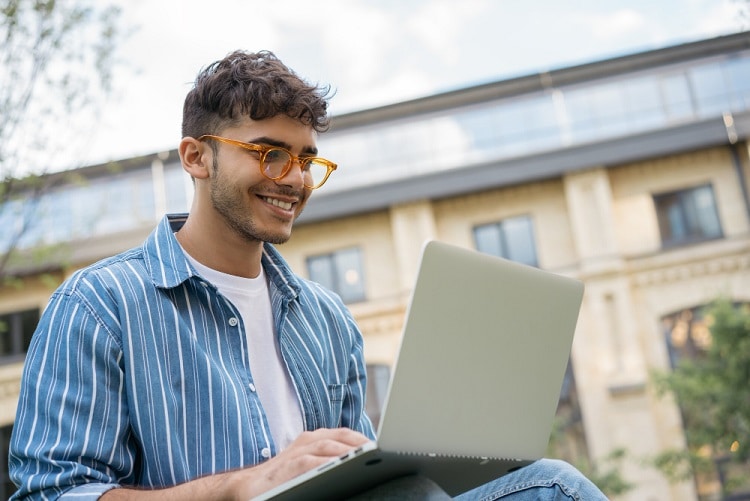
x=71, y=436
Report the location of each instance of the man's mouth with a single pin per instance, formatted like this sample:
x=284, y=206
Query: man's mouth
x=278, y=203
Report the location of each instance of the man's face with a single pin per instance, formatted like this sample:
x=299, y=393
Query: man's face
x=253, y=206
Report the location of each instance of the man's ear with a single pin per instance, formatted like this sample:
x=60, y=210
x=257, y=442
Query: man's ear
x=196, y=157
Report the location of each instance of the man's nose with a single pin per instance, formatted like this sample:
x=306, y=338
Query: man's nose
x=293, y=176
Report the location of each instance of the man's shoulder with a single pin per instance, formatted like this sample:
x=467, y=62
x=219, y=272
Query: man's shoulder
x=107, y=270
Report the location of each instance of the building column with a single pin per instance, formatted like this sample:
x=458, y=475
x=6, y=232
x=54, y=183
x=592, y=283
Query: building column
x=589, y=198
x=412, y=225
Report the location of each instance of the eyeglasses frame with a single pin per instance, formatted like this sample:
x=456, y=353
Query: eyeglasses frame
x=264, y=150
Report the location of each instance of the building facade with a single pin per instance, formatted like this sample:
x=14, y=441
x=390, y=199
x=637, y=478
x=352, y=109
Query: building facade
x=631, y=174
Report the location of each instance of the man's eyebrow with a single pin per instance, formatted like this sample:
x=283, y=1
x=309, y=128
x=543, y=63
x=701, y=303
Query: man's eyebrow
x=308, y=150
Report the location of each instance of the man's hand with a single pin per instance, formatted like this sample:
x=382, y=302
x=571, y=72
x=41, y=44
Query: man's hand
x=310, y=450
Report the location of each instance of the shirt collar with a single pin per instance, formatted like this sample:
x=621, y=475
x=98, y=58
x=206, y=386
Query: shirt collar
x=168, y=266
x=279, y=273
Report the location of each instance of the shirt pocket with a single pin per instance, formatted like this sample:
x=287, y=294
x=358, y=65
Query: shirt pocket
x=336, y=398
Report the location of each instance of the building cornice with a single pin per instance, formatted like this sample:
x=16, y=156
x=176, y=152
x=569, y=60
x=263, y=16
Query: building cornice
x=713, y=259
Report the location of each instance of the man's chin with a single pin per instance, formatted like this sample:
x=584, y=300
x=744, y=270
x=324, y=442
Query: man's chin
x=254, y=235
x=277, y=240
x=276, y=237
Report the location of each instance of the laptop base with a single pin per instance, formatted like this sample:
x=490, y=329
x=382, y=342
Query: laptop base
x=369, y=469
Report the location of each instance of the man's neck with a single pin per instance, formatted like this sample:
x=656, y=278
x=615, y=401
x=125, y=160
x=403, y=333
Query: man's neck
x=220, y=249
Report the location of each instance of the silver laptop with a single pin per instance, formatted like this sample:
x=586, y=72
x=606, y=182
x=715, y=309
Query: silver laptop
x=476, y=383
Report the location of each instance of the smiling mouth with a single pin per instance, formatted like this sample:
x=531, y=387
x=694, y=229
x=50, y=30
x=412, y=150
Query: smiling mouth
x=278, y=203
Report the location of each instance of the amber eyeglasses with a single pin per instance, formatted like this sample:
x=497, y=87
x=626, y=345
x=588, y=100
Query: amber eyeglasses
x=274, y=162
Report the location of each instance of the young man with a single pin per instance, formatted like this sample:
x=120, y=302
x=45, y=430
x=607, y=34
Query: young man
x=198, y=366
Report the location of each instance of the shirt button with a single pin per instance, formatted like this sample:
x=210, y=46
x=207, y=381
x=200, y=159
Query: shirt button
x=252, y=387
x=265, y=452
x=233, y=321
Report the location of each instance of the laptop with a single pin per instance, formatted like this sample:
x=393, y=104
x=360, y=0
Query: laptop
x=475, y=386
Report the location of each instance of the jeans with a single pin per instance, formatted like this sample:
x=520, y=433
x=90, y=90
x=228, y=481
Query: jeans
x=546, y=479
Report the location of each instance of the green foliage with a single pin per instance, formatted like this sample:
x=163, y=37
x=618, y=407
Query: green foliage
x=712, y=391
x=57, y=59
x=682, y=465
x=606, y=475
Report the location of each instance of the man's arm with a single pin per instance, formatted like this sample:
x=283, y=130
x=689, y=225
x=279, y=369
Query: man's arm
x=309, y=450
x=71, y=423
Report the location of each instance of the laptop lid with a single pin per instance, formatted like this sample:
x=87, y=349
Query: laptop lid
x=485, y=347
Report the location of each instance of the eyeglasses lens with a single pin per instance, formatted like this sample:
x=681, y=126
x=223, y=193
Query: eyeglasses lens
x=276, y=161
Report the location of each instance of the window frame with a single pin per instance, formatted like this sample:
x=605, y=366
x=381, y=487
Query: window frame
x=19, y=330
x=338, y=275
x=505, y=250
x=684, y=203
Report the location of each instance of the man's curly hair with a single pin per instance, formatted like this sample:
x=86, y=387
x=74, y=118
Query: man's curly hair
x=255, y=85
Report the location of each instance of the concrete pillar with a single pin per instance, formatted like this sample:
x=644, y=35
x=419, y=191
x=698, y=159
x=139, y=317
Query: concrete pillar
x=589, y=198
x=412, y=225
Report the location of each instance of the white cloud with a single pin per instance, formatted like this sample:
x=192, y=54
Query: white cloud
x=439, y=24
x=618, y=24
x=403, y=85
x=360, y=43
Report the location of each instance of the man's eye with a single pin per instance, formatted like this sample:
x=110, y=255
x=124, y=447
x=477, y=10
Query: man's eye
x=277, y=156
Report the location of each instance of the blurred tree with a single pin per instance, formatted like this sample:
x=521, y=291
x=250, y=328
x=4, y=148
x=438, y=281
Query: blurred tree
x=57, y=60
x=712, y=391
x=743, y=12
x=568, y=442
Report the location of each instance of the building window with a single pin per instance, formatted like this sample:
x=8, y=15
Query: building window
x=340, y=271
x=7, y=488
x=511, y=238
x=687, y=335
x=16, y=329
x=687, y=216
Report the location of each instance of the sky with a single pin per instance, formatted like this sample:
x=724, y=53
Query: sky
x=374, y=52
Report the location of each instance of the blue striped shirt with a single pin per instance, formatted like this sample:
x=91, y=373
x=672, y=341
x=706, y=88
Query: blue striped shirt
x=138, y=374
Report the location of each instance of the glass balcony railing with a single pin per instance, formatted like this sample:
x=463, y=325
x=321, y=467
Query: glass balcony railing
x=555, y=118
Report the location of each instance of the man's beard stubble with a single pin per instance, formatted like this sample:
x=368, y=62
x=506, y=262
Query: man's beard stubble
x=228, y=203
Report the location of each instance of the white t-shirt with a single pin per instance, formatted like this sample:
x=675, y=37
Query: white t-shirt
x=271, y=379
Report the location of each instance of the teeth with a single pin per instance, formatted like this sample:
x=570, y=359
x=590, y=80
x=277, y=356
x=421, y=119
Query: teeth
x=279, y=203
